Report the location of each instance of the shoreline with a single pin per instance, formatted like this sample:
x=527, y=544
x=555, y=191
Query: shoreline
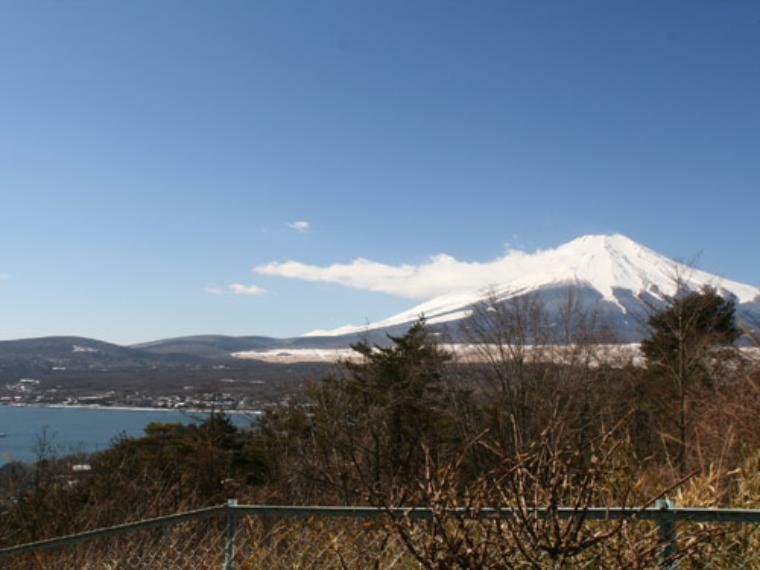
x=131, y=408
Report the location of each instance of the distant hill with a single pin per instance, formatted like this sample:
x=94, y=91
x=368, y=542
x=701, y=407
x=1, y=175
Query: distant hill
x=221, y=347
x=41, y=355
x=67, y=356
x=207, y=346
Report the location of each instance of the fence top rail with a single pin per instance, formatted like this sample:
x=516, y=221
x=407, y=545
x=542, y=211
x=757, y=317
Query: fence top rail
x=693, y=514
x=167, y=520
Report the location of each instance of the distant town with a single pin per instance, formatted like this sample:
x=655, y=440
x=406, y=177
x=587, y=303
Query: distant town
x=254, y=395
x=31, y=391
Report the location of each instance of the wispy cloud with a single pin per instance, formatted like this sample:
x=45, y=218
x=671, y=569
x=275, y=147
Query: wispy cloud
x=437, y=275
x=240, y=289
x=236, y=289
x=300, y=226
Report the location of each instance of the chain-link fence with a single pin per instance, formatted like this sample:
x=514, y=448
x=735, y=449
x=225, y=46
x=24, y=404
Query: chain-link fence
x=257, y=537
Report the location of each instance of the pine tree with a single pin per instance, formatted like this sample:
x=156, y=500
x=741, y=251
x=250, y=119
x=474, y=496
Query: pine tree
x=683, y=347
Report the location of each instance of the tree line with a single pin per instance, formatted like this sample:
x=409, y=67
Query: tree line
x=536, y=413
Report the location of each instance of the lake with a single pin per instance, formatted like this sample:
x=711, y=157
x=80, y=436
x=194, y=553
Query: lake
x=81, y=429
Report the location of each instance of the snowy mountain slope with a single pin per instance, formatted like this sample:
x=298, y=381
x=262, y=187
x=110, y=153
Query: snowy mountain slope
x=613, y=269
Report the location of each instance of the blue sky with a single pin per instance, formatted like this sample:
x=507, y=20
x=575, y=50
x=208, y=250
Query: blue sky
x=152, y=154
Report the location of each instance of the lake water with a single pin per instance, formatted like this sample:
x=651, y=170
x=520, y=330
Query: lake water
x=80, y=429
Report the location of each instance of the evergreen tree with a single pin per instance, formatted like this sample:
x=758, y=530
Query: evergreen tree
x=683, y=348
x=690, y=323
x=363, y=430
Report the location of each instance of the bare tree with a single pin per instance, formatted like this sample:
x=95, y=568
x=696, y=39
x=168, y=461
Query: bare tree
x=513, y=515
x=530, y=361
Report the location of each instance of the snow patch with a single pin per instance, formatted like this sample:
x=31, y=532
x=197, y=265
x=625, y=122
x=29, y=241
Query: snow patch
x=298, y=355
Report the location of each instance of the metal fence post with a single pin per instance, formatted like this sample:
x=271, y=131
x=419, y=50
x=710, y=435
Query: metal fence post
x=229, y=545
x=666, y=527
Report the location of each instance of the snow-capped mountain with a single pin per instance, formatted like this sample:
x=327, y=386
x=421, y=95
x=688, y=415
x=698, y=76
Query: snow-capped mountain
x=611, y=271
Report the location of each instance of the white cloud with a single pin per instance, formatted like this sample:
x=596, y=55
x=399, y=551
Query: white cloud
x=300, y=226
x=236, y=289
x=437, y=275
x=240, y=289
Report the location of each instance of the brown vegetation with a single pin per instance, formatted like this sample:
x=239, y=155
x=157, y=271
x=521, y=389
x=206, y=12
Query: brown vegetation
x=408, y=425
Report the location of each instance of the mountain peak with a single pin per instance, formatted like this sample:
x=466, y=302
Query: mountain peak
x=602, y=242
x=601, y=238
x=615, y=266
